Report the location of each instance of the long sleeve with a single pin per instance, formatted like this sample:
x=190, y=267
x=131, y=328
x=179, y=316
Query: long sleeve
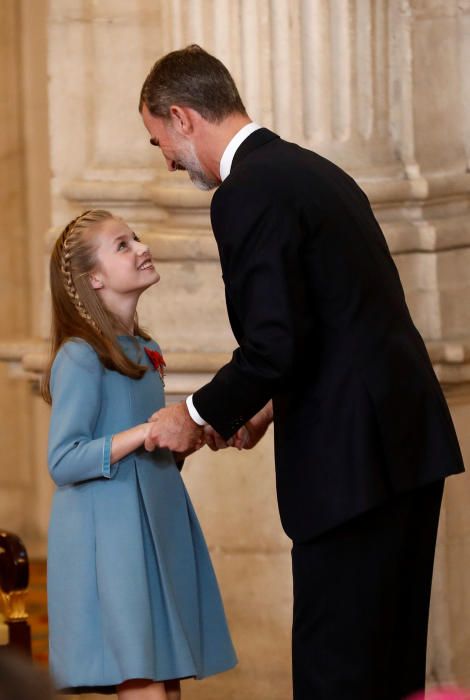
x=74, y=455
x=259, y=244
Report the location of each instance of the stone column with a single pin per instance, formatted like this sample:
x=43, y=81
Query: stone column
x=17, y=472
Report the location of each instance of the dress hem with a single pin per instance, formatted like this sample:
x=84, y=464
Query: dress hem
x=109, y=689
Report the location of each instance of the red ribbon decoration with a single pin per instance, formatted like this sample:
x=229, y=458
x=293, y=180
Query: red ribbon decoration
x=157, y=361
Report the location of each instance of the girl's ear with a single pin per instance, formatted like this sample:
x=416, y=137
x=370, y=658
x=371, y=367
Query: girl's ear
x=95, y=281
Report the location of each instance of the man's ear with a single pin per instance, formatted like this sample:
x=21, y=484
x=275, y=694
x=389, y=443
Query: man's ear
x=95, y=281
x=182, y=119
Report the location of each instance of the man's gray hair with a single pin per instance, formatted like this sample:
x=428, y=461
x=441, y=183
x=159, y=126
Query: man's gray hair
x=191, y=77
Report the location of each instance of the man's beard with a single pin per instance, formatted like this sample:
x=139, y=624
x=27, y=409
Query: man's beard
x=190, y=162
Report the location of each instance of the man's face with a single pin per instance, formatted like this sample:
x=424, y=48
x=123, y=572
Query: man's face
x=179, y=152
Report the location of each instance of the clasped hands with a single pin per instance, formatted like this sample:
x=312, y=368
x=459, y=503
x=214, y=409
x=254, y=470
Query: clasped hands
x=174, y=429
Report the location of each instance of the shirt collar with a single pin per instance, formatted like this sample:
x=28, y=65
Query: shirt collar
x=232, y=146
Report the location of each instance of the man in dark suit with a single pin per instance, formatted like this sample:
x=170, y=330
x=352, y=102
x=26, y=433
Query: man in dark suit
x=363, y=435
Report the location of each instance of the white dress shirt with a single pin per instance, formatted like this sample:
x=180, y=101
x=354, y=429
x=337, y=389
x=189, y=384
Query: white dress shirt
x=225, y=167
x=232, y=147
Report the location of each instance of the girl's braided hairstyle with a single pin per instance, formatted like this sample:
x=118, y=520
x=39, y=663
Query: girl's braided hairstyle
x=66, y=244
x=77, y=309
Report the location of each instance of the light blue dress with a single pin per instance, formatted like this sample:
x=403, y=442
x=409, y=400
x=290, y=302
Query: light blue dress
x=131, y=588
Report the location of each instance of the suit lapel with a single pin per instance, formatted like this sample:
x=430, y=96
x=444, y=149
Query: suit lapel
x=251, y=143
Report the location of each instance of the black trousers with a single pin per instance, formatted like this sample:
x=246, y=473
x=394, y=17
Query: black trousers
x=361, y=602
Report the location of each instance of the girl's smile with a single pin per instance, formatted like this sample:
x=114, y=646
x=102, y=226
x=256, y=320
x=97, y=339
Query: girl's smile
x=124, y=269
x=121, y=257
x=147, y=264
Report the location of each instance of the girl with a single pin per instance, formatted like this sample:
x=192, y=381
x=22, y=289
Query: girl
x=133, y=600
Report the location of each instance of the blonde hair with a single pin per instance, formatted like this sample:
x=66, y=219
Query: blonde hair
x=77, y=311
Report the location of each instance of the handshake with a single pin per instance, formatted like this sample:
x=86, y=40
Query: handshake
x=174, y=429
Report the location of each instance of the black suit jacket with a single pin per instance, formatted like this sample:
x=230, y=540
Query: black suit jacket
x=317, y=307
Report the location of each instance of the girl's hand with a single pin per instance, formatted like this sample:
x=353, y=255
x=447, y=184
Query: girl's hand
x=145, y=431
x=127, y=441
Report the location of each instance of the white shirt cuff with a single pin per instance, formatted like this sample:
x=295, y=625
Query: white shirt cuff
x=193, y=413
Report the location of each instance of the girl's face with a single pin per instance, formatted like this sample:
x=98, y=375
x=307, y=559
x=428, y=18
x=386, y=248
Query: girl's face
x=124, y=264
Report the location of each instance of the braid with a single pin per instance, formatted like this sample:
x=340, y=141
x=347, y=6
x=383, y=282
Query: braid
x=78, y=311
x=66, y=244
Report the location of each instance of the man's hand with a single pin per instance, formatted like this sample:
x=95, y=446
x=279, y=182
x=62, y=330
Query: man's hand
x=247, y=436
x=217, y=442
x=174, y=428
x=251, y=433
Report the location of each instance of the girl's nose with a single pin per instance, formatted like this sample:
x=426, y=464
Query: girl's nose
x=141, y=248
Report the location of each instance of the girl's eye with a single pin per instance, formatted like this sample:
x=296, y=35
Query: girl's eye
x=136, y=238
x=122, y=245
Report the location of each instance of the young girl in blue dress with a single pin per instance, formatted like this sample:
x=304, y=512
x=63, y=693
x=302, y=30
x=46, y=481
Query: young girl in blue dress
x=133, y=600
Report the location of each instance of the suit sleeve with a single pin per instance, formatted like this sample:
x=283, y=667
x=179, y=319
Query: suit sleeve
x=74, y=455
x=259, y=250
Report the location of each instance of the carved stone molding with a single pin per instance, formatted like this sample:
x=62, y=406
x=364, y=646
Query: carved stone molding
x=180, y=208
x=187, y=371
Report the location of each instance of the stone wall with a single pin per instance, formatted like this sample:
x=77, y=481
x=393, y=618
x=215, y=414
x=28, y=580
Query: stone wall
x=24, y=217
x=379, y=86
